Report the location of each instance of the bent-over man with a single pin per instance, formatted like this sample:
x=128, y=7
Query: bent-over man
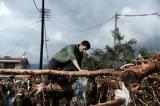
x=70, y=57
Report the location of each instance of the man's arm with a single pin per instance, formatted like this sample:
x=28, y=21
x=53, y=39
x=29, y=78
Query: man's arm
x=76, y=64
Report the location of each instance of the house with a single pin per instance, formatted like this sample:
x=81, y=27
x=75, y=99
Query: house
x=14, y=63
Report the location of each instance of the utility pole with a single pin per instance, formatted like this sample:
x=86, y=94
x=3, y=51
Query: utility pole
x=116, y=18
x=116, y=28
x=42, y=35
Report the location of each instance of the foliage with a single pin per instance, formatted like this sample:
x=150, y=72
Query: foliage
x=111, y=57
x=144, y=53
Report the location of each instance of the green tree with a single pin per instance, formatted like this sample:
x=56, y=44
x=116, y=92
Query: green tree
x=144, y=53
x=90, y=62
x=116, y=56
x=117, y=36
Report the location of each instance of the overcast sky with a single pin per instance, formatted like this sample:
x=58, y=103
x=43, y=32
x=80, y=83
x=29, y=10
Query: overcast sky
x=72, y=21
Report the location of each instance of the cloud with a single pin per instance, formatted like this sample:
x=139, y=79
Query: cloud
x=4, y=10
x=72, y=21
x=128, y=10
x=57, y=37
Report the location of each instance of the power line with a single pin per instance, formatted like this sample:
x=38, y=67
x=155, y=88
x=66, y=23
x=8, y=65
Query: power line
x=107, y=21
x=132, y=15
x=80, y=30
x=101, y=24
x=45, y=14
x=72, y=28
x=19, y=42
x=36, y=6
x=45, y=40
x=138, y=15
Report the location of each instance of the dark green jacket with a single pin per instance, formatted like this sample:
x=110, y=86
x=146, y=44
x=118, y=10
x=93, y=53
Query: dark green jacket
x=69, y=53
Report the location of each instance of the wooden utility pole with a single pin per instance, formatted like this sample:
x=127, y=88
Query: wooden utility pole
x=42, y=35
x=116, y=29
x=116, y=18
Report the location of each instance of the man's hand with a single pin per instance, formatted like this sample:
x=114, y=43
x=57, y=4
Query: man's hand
x=76, y=64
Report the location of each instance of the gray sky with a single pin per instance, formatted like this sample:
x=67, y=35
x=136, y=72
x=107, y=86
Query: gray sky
x=72, y=21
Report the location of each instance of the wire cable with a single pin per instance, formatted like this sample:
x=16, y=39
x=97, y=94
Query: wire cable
x=80, y=30
x=19, y=43
x=106, y=21
x=103, y=23
x=45, y=40
x=36, y=6
x=138, y=15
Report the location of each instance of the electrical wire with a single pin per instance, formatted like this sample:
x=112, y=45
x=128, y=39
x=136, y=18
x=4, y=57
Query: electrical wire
x=138, y=15
x=101, y=24
x=45, y=40
x=36, y=6
x=72, y=28
x=19, y=43
x=80, y=30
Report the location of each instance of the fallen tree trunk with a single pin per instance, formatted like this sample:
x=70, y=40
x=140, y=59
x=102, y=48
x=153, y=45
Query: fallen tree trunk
x=60, y=73
x=145, y=69
x=142, y=70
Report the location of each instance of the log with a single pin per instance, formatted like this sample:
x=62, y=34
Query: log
x=60, y=72
x=145, y=69
x=141, y=70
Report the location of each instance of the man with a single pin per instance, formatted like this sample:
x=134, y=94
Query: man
x=70, y=57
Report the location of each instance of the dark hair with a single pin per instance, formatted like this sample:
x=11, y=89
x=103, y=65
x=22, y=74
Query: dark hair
x=86, y=43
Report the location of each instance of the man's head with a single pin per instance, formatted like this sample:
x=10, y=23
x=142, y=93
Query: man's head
x=84, y=46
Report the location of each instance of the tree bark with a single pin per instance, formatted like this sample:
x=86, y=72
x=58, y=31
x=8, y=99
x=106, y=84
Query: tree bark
x=143, y=70
x=60, y=72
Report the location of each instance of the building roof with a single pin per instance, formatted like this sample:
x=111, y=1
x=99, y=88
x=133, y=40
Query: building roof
x=13, y=59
